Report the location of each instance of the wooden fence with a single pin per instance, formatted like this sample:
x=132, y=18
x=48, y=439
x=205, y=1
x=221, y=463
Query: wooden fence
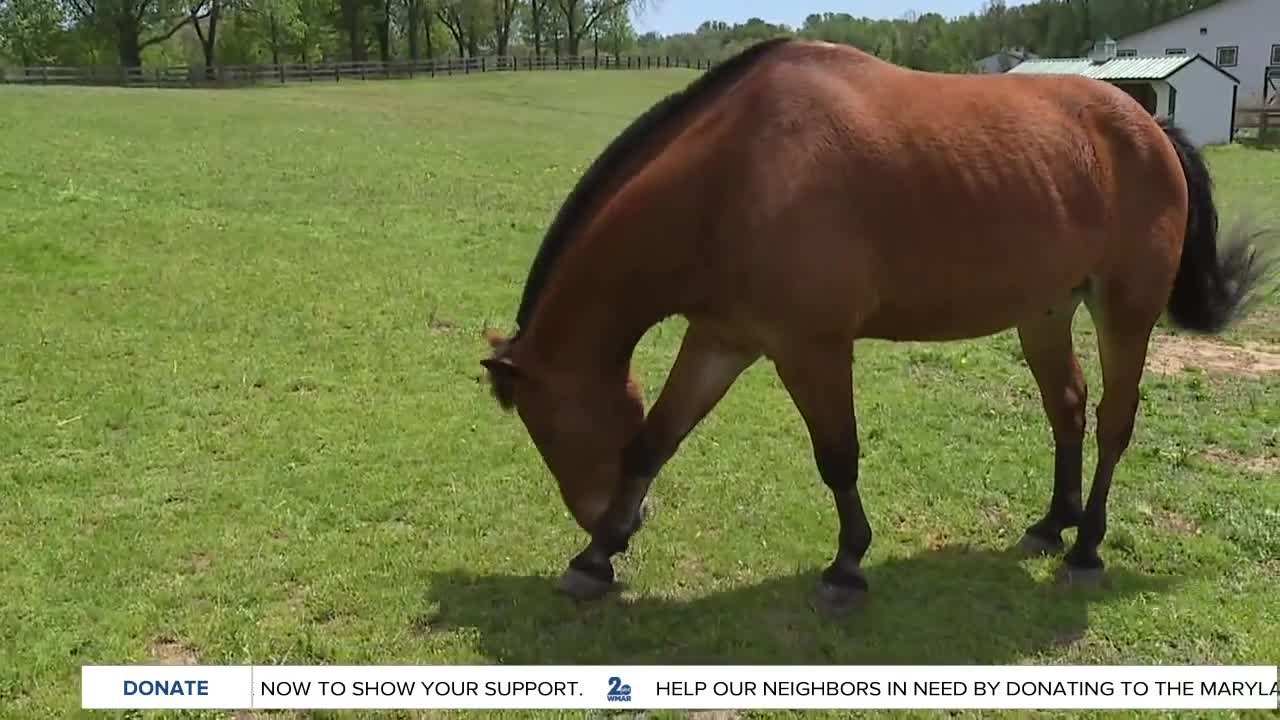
x=1265, y=119
x=248, y=75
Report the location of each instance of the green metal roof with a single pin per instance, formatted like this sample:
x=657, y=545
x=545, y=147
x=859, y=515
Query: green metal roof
x=1121, y=68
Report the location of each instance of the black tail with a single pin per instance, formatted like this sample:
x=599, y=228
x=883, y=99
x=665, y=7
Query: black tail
x=1212, y=288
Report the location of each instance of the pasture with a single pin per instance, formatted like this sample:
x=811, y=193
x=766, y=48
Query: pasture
x=241, y=421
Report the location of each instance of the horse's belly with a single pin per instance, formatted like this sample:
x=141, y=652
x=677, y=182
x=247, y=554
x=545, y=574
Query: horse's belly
x=971, y=307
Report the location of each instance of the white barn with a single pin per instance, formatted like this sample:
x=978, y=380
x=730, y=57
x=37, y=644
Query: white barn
x=1193, y=92
x=1240, y=36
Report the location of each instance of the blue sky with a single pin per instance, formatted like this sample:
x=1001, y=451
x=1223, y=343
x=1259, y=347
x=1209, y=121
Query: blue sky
x=672, y=16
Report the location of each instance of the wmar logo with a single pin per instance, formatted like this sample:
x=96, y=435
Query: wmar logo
x=617, y=691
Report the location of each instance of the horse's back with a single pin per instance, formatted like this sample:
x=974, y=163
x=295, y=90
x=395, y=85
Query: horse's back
x=934, y=201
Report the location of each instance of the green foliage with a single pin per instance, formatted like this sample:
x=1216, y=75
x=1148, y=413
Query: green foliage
x=30, y=31
x=614, y=32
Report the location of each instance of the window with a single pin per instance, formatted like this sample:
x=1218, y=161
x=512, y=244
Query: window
x=1130, y=52
x=1173, y=102
x=1227, y=56
x=1275, y=54
x=1204, y=31
x=1175, y=51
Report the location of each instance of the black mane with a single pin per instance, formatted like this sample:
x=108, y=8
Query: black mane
x=589, y=188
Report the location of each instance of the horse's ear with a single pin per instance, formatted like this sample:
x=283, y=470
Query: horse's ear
x=503, y=371
x=495, y=339
x=634, y=389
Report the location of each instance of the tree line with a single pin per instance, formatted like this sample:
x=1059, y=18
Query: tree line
x=132, y=33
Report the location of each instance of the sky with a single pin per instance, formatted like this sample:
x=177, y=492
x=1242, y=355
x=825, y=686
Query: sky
x=673, y=16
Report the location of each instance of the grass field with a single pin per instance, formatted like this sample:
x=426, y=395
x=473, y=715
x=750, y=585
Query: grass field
x=241, y=422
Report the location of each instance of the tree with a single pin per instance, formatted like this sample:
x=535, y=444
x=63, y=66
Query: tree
x=504, y=15
x=413, y=26
x=279, y=24
x=466, y=22
x=125, y=22
x=353, y=24
x=581, y=16
x=536, y=25
x=208, y=37
x=382, y=28
x=615, y=32
x=30, y=31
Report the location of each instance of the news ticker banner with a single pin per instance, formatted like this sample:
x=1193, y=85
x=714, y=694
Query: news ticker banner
x=487, y=687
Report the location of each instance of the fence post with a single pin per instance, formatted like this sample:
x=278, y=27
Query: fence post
x=484, y=62
x=337, y=72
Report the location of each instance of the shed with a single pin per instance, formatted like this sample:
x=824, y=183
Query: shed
x=1188, y=89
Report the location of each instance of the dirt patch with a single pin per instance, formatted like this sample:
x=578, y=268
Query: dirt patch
x=1170, y=521
x=1169, y=355
x=997, y=515
x=440, y=326
x=1261, y=465
x=201, y=561
x=167, y=651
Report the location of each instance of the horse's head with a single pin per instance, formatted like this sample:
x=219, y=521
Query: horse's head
x=579, y=423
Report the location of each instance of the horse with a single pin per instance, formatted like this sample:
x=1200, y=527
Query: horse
x=802, y=195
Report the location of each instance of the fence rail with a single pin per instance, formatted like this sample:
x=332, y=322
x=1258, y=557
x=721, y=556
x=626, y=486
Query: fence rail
x=1261, y=117
x=1258, y=125
x=247, y=75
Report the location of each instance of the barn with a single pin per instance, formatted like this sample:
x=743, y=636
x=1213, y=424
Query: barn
x=1189, y=89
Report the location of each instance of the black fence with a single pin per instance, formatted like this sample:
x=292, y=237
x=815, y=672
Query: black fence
x=249, y=75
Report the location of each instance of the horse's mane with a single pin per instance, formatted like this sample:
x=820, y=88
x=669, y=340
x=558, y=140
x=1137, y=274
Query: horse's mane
x=589, y=189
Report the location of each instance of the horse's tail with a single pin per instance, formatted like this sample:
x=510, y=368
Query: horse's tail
x=1212, y=287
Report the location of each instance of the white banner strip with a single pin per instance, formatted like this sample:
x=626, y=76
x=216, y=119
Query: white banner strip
x=489, y=687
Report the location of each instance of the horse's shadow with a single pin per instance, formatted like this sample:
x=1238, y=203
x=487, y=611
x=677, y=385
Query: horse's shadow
x=948, y=606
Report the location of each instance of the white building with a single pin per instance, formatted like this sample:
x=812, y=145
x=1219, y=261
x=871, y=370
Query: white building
x=1196, y=94
x=1240, y=36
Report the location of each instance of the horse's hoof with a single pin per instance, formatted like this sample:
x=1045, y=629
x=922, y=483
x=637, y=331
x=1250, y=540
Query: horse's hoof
x=1033, y=545
x=837, y=601
x=1080, y=577
x=582, y=586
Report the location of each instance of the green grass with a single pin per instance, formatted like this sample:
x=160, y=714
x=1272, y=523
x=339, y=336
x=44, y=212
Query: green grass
x=241, y=420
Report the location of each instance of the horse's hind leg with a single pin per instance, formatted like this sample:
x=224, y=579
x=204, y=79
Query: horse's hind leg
x=1123, y=333
x=1046, y=345
x=704, y=370
x=821, y=385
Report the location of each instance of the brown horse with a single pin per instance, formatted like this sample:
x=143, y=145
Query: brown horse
x=803, y=195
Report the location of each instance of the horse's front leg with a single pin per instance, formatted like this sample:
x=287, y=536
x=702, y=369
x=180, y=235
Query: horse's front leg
x=704, y=370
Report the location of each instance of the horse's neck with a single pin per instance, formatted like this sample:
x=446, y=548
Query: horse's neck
x=595, y=309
